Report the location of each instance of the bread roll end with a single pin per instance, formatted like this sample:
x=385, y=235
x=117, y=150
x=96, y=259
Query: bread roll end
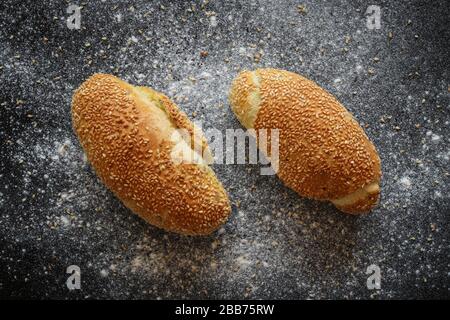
x=360, y=201
x=245, y=97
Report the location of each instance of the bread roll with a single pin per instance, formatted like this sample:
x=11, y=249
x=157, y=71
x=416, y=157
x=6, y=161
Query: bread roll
x=128, y=135
x=323, y=152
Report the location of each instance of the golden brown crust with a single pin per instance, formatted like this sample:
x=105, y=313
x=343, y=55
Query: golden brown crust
x=126, y=133
x=324, y=154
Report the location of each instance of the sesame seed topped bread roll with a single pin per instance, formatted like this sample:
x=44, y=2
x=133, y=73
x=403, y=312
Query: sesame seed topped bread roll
x=128, y=135
x=324, y=154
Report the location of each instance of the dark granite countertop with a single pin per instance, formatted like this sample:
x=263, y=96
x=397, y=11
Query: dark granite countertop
x=56, y=213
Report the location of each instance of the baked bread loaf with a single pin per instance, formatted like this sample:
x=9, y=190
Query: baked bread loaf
x=323, y=152
x=129, y=134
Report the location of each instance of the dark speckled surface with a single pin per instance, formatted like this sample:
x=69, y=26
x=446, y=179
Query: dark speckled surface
x=55, y=212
